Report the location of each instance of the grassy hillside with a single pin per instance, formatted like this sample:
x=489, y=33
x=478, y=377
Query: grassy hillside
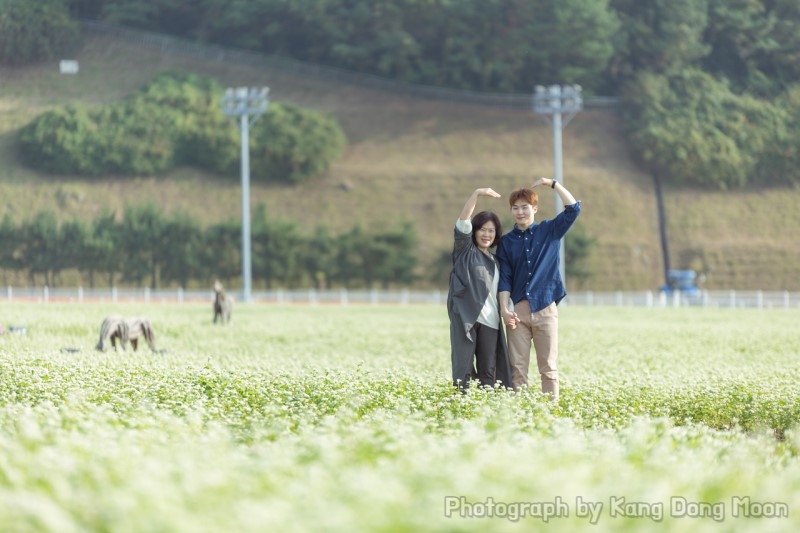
x=418, y=159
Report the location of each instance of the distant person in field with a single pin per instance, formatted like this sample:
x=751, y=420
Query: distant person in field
x=530, y=281
x=476, y=336
x=223, y=304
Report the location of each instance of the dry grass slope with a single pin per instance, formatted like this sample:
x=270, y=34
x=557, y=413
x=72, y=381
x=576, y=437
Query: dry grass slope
x=417, y=159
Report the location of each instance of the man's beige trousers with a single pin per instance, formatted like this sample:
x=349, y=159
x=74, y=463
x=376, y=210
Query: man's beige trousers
x=541, y=328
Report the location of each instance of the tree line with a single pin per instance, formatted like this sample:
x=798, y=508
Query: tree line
x=710, y=88
x=147, y=246
x=497, y=45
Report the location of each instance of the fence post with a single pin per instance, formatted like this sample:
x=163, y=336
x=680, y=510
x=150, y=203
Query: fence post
x=373, y=296
x=760, y=299
x=785, y=299
x=648, y=297
x=312, y=296
x=590, y=298
x=180, y=295
x=404, y=297
x=619, y=298
x=10, y=293
x=343, y=299
x=147, y=295
x=80, y=294
x=732, y=298
x=114, y=294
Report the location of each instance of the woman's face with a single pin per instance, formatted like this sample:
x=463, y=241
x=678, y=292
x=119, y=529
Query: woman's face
x=484, y=236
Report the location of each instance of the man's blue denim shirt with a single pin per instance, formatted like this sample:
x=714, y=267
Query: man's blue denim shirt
x=529, y=260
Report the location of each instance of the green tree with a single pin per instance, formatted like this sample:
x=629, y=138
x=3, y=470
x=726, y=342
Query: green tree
x=782, y=64
x=277, y=250
x=73, y=238
x=86, y=9
x=504, y=45
x=349, y=256
x=103, y=248
x=291, y=144
x=780, y=161
x=40, y=247
x=220, y=256
x=178, y=17
x=63, y=140
x=142, y=239
x=660, y=35
x=440, y=267
x=740, y=34
x=400, y=259
x=578, y=246
x=10, y=243
x=180, y=256
x=317, y=257
x=35, y=31
x=176, y=119
x=569, y=41
x=366, y=258
x=690, y=128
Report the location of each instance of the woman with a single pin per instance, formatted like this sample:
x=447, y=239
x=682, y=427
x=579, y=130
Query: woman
x=475, y=332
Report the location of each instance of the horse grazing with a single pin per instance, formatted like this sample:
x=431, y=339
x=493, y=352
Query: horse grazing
x=141, y=327
x=115, y=328
x=223, y=304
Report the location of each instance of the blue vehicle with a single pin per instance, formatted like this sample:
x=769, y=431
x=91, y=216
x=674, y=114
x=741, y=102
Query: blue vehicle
x=684, y=281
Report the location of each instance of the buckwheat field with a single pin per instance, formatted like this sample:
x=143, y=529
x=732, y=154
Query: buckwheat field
x=330, y=418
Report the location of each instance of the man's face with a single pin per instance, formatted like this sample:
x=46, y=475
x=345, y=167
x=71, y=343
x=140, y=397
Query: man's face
x=523, y=213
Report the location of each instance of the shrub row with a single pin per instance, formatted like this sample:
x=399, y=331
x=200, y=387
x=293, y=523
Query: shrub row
x=148, y=246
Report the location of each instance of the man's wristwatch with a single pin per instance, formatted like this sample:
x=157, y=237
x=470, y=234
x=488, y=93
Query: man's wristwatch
x=553, y=185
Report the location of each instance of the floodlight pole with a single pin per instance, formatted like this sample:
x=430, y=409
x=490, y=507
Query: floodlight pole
x=553, y=101
x=245, y=103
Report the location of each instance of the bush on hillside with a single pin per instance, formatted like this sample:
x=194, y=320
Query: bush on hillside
x=177, y=120
x=63, y=140
x=35, y=31
x=294, y=144
x=118, y=140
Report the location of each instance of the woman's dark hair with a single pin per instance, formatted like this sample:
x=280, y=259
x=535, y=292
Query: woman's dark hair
x=482, y=218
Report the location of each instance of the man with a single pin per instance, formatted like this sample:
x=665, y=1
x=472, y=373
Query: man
x=530, y=279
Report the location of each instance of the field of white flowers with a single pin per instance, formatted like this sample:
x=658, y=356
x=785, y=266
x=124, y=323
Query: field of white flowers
x=328, y=418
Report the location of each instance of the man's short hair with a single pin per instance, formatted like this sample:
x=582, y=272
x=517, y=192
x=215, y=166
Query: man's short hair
x=526, y=194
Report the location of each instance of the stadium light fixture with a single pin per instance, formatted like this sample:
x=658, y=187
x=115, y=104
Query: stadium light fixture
x=555, y=101
x=247, y=103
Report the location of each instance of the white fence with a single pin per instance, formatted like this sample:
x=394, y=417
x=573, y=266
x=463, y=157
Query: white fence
x=729, y=299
